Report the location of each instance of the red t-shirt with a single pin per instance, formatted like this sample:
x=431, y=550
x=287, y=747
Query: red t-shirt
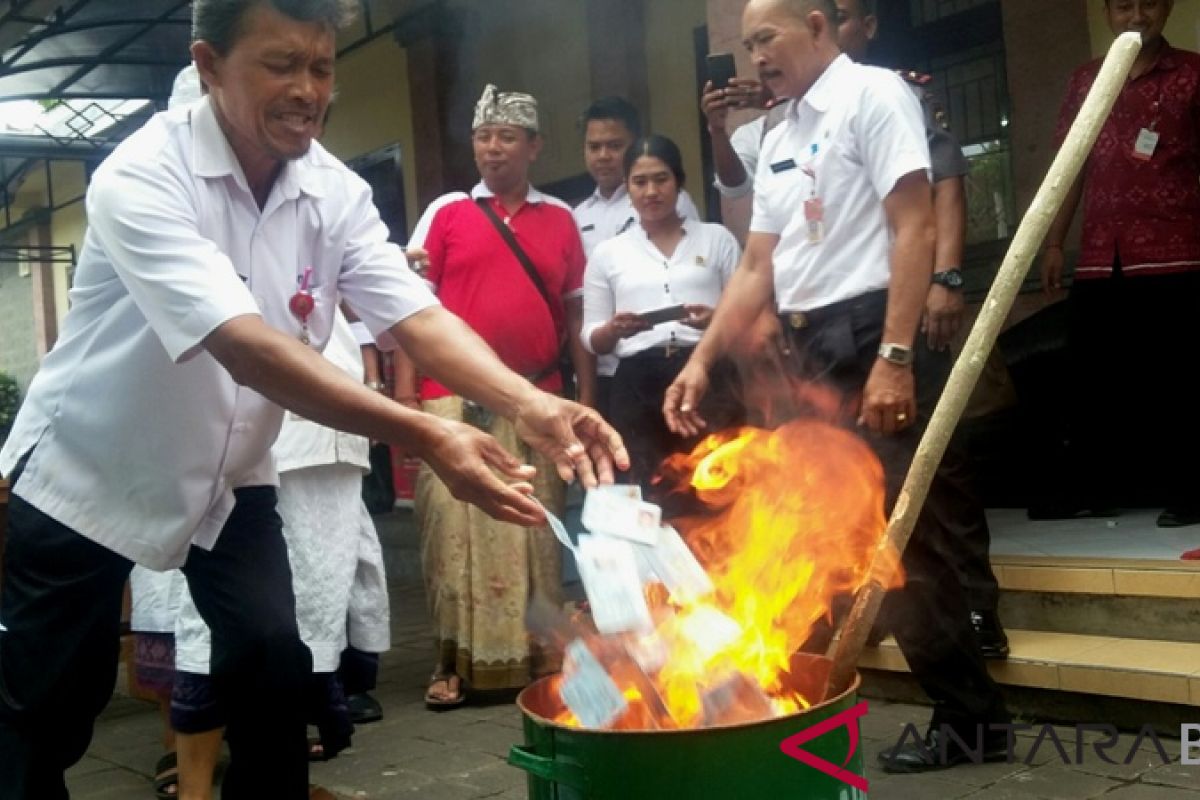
x=476, y=275
x=1146, y=211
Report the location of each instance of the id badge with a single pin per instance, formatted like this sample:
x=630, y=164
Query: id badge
x=814, y=216
x=1144, y=147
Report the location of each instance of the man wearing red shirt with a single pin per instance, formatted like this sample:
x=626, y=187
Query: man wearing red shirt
x=1136, y=280
x=508, y=260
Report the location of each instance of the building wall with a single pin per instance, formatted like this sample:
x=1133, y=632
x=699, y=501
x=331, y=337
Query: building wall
x=373, y=109
x=18, y=353
x=671, y=66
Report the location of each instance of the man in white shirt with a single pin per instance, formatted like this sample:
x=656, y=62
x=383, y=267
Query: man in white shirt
x=842, y=237
x=610, y=125
x=221, y=237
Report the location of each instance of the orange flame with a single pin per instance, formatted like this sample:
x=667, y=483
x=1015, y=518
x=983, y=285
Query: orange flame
x=793, y=519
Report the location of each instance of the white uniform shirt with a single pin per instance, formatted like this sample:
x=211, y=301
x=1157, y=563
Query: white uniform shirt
x=303, y=443
x=858, y=130
x=601, y=219
x=746, y=141
x=628, y=273
x=141, y=436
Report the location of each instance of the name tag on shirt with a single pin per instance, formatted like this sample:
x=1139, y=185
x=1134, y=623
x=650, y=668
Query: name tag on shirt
x=1146, y=144
x=783, y=166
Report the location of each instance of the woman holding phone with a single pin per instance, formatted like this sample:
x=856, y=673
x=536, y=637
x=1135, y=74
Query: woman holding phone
x=649, y=293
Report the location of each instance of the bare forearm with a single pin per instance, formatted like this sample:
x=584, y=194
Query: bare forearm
x=299, y=379
x=445, y=348
x=950, y=215
x=749, y=294
x=726, y=161
x=912, y=257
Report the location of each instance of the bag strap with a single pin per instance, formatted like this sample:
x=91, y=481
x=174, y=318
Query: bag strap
x=507, y=235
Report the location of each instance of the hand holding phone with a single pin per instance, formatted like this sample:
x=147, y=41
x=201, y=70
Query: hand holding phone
x=661, y=315
x=721, y=69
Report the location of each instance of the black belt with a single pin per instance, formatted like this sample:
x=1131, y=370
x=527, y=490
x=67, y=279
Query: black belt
x=799, y=320
x=664, y=351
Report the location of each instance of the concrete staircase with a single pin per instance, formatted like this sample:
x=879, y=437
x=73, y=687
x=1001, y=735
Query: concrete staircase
x=1093, y=639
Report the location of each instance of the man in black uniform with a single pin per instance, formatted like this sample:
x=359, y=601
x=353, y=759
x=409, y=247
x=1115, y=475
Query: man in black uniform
x=952, y=499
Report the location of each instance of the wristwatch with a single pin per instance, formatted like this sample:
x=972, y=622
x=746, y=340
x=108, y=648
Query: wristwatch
x=896, y=354
x=950, y=278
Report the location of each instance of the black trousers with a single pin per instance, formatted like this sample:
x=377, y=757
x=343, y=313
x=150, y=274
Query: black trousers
x=954, y=499
x=930, y=614
x=61, y=603
x=635, y=409
x=1133, y=437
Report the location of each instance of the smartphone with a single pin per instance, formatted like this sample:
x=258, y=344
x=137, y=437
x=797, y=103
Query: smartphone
x=661, y=315
x=721, y=69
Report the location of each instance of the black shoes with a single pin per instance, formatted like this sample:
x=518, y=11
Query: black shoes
x=993, y=642
x=1178, y=517
x=364, y=708
x=927, y=756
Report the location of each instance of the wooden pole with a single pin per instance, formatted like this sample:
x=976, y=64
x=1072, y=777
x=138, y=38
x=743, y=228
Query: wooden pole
x=1066, y=167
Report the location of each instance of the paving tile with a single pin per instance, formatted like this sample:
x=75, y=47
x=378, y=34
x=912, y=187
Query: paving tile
x=1057, y=782
x=908, y=787
x=1184, y=776
x=1143, y=791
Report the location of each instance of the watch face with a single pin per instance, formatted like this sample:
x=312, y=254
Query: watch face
x=951, y=279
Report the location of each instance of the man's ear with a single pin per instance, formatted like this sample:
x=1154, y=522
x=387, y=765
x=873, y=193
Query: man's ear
x=535, y=145
x=817, y=23
x=871, y=26
x=206, y=58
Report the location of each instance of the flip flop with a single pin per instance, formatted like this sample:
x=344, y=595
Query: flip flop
x=444, y=704
x=316, y=750
x=166, y=777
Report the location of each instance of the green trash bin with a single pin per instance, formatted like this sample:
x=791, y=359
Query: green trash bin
x=733, y=762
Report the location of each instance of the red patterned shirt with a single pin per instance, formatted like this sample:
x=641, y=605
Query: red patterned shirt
x=1144, y=211
x=477, y=276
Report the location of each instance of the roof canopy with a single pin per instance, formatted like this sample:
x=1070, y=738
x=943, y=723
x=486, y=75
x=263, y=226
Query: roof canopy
x=92, y=49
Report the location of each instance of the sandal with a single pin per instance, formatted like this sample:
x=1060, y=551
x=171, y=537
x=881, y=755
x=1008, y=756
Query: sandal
x=316, y=749
x=166, y=777
x=435, y=703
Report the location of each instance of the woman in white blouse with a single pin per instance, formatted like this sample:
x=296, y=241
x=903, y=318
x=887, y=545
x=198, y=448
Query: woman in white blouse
x=662, y=264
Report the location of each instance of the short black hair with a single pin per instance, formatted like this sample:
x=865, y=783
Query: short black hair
x=659, y=147
x=219, y=22
x=615, y=108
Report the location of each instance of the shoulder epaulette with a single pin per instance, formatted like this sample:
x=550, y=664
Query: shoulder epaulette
x=914, y=77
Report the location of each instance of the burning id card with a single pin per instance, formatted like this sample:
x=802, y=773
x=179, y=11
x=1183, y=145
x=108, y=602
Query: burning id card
x=621, y=514
x=676, y=566
x=614, y=589
x=588, y=690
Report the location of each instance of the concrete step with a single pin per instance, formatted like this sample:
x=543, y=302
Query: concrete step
x=1123, y=598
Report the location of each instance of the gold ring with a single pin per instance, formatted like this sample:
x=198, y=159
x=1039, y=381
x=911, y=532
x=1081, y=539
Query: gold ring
x=901, y=417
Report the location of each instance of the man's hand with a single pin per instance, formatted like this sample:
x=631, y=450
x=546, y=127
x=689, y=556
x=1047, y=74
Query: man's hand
x=716, y=103
x=579, y=441
x=943, y=316
x=681, y=402
x=465, y=457
x=1052, y=271
x=889, y=398
x=418, y=260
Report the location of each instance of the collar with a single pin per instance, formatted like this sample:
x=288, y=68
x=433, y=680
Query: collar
x=531, y=196
x=821, y=95
x=213, y=157
x=1168, y=59
x=618, y=195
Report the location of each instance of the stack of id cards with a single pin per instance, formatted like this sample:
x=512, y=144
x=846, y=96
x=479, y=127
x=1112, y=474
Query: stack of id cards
x=628, y=547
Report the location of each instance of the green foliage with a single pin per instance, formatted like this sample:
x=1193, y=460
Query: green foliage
x=10, y=401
